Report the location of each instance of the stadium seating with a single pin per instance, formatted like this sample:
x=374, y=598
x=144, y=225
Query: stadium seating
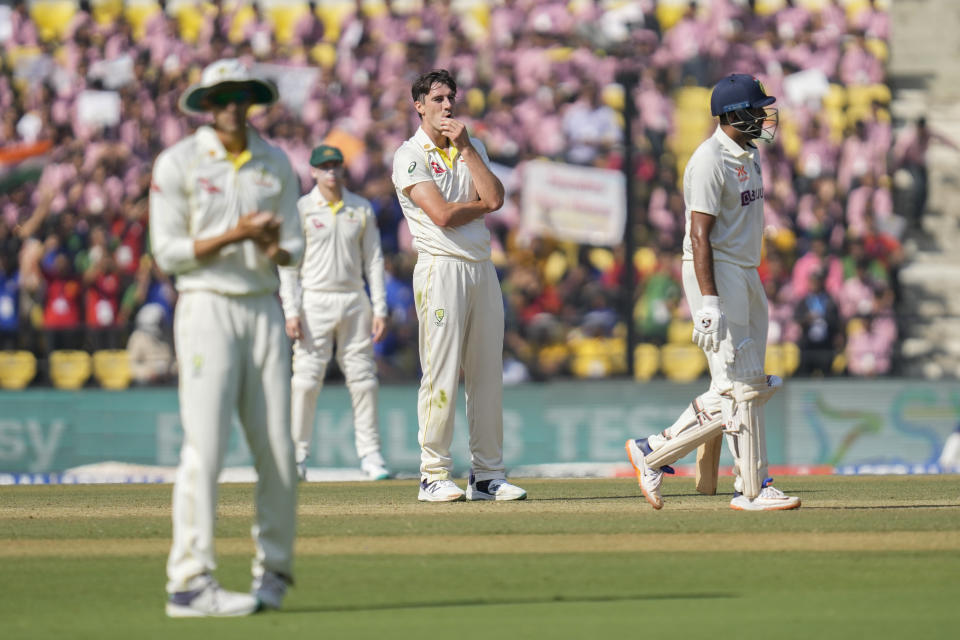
x=646, y=361
x=597, y=357
x=138, y=13
x=106, y=12
x=17, y=369
x=111, y=368
x=682, y=362
x=284, y=15
x=782, y=359
x=333, y=13
x=680, y=331
x=69, y=369
x=52, y=17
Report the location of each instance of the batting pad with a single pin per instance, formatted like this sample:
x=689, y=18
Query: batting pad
x=751, y=390
x=702, y=428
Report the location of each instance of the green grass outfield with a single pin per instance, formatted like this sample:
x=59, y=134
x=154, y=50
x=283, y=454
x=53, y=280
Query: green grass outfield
x=865, y=557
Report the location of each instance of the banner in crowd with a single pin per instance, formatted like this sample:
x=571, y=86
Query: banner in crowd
x=845, y=424
x=575, y=203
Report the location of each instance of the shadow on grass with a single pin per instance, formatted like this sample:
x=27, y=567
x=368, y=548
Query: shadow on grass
x=387, y=606
x=578, y=498
x=882, y=506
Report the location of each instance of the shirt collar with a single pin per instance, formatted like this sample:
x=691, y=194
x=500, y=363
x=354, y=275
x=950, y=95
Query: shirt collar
x=335, y=207
x=426, y=144
x=211, y=147
x=735, y=150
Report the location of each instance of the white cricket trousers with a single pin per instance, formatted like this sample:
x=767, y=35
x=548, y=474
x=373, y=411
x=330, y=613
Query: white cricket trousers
x=744, y=303
x=233, y=355
x=348, y=318
x=460, y=309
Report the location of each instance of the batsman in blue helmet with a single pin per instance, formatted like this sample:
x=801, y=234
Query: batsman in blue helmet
x=723, y=194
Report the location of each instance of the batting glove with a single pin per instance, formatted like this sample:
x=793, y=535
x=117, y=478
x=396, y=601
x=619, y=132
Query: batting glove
x=709, y=324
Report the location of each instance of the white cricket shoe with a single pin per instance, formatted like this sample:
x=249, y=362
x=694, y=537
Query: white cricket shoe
x=770, y=499
x=209, y=599
x=439, y=491
x=270, y=588
x=374, y=466
x=495, y=489
x=649, y=479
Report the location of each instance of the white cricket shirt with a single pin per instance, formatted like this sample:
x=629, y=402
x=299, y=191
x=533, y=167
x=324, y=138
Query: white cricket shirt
x=723, y=179
x=418, y=160
x=199, y=192
x=343, y=245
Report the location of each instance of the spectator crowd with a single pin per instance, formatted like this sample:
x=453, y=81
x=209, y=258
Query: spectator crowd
x=89, y=97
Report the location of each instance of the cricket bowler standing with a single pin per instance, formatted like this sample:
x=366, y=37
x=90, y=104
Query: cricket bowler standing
x=445, y=188
x=223, y=215
x=723, y=192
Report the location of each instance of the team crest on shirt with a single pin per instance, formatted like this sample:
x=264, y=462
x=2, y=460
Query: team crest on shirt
x=208, y=186
x=441, y=317
x=742, y=174
x=317, y=224
x=437, y=169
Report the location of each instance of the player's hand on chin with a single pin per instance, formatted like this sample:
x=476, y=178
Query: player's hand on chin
x=456, y=132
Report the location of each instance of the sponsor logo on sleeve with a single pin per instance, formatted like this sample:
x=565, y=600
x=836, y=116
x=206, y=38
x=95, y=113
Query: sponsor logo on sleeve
x=413, y=165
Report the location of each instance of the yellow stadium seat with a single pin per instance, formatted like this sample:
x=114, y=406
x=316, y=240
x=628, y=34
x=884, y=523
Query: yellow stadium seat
x=17, y=369
x=190, y=20
x=241, y=18
x=768, y=7
x=138, y=13
x=52, y=17
x=597, y=357
x=669, y=12
x=682, y=362
x=854, y=7
x=782, y=359
x=106, y=12
x=878, y=48
x=333, y=13
x=69, y=369
x=646, y=361
x=374, y=8
x=111, y=368
x=284, y=18
x=680, y=331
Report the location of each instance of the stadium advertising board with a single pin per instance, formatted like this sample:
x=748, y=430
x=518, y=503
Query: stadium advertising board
x=852, y=425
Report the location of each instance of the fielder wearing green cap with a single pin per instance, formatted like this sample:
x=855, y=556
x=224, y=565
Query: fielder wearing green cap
x=324, y=301
x=723, y=194
x=324, y=154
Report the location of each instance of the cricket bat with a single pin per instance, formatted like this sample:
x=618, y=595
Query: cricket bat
x=708, y=465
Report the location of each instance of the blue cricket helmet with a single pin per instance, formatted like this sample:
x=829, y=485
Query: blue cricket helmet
x=738, y=91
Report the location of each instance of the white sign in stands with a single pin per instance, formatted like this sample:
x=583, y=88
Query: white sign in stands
x=571, y=202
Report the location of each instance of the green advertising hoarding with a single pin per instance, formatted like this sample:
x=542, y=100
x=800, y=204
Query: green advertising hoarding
x=833, y=422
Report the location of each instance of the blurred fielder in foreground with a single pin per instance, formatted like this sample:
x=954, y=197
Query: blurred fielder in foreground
x=723, y=191
x=222, y=216
x=445, y=187
x=324, y=299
